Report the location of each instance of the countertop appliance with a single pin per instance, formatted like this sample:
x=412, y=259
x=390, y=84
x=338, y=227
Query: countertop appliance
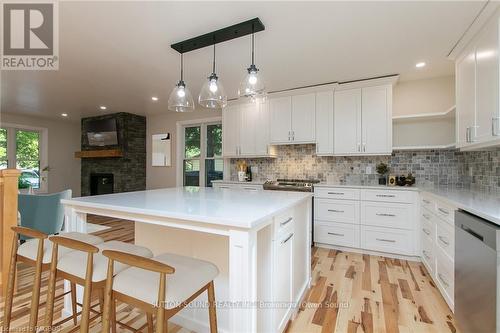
x=297, y=185
x=476, y=272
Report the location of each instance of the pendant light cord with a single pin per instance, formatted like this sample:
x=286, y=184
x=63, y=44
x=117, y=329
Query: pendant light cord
x=253, y=47
x=214, y=58
x=182, y=67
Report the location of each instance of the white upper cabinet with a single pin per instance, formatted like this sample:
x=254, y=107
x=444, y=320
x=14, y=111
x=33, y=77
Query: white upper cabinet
x=324, y=122
x=281, y=119
x=347, y=122
x=376, y=120
x=293, y=119
x=363, y=121
x=477, y=89
x=230, y=131
x=303, y=118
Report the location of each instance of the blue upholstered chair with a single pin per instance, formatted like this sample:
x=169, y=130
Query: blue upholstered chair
x=43, y=212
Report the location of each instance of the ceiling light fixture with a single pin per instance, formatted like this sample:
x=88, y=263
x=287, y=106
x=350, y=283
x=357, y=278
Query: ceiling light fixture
x=252, y=84
x=212, y=94
x=180, y=99
x=64, y=114
x=102, y=107
x=154, y=99
x=420, y=64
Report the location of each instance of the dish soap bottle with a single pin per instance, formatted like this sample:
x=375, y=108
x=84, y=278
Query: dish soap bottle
x=249, y=173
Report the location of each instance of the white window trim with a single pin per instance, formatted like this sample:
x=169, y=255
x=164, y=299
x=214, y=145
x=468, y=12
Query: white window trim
x=44, y=153
x=180, y=125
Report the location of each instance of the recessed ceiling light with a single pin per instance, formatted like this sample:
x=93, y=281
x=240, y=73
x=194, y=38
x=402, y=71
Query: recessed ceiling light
x=420, y=64
x=154, y=98
x=64, y=114
x=102, y=107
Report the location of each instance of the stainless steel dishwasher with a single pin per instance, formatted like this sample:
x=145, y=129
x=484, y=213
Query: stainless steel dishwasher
x=476, y=247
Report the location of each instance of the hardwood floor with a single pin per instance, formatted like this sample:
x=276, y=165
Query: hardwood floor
x=351, y=293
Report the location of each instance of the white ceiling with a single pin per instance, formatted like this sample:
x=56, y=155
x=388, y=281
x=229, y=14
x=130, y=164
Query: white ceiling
x=118, y=53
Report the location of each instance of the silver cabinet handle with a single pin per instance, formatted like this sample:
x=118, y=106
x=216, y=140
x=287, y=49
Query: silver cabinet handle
x=425, y=254
x=286, y=222
x=336, y=193
x=386, y=240
x=427, y=217
x=444, y=211
x=427, y=232
x=335, y=211
x=385, y=214
x=359, y=147
x=426, y=201
x=224, y=187
x=334, y=234
x=386, y=195
x=443, y=280
x=443, y=240
x=364, y=147
x=287, y=239
x=467, y=131
x=495, y=124
x=250, y=188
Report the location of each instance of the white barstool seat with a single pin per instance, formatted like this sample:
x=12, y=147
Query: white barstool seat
x=29, y=249
x=73, y=262
x=190, y=276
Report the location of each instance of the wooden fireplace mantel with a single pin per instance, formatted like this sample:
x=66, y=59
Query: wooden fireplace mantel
x=99, y=153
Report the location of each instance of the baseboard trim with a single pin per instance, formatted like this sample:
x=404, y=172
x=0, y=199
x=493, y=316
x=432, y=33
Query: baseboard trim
x=370, y=252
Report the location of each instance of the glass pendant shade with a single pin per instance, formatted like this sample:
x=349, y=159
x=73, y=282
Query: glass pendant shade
x=252, y=84
x=180, y=99
x=212, y=94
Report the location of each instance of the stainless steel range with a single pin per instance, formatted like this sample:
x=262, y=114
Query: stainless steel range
x=297, y=185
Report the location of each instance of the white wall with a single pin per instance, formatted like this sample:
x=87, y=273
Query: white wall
x=159, y=177
x=424, y=96
x=63, y=141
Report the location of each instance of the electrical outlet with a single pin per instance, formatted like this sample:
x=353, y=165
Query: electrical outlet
x=255, y=169
x=369, y=170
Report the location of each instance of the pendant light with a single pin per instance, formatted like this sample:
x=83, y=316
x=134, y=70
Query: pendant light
x=252, y=84
x=212, y=94
x=180, y=99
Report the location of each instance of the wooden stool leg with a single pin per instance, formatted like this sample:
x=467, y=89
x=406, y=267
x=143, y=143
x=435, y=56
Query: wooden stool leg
x=9, y=296
x=51, y=290
x=113, y=315
x=73, y=303
x=87, y=292
x=161, y=322
x=150, y=323
x=212, y=313
x=35, y=296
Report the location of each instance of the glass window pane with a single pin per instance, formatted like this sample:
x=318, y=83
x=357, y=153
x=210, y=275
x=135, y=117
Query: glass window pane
x=28, y=157
x=191, y=172
x=3, y=148
x=214, y=140
x=192, y=142
x=213, y=170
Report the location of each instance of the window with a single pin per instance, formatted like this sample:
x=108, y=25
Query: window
x=202, y=154
x=21, y=148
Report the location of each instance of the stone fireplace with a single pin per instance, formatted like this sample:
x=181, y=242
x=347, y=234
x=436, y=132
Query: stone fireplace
x=123, y=172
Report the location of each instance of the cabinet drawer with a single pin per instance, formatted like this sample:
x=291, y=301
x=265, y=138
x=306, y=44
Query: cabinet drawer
x=387, y=240
x=333, y=233
x=427, y=202
x=445, y=211
x=224, y=186
x=337, y=193
x=344, y=211
x=428, y=225
x=283, y=223
x=428, y=255
x=387, y=196
x=445, y=276
x=250, y=187
x=445, y=238
x=383, y=214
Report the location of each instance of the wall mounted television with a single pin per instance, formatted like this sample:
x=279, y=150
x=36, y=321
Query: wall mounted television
x=102, y=132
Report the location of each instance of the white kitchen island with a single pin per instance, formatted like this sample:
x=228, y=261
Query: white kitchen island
x=260, y=242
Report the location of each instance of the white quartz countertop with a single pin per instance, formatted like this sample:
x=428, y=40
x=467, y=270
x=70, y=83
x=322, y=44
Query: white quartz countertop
x=482, y=204
x=228, y=207
x=370, y=187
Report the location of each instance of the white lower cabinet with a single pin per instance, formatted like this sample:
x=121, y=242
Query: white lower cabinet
x=283, y=278
x=382, y=220
x=437, y=243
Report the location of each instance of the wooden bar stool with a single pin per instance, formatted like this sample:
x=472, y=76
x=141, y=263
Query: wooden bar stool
x=85, y=266
x=187, y=279
x=35, y=252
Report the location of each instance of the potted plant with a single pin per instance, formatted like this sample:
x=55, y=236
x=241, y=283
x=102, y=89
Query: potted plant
x=382, y=170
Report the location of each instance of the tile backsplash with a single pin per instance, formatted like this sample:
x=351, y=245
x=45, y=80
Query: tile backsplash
x=480, y=170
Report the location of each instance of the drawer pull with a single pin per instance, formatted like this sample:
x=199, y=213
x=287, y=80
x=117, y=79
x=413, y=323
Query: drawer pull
x=250, y=188
x=443, y=240
x=336, y=193
x=287, y=239
x=444, y=211
x=427, y=217
x=427, y=232
x=335, y=211
x=386, y=195
x=286, y=222
x=334, y=234
x=443, y=280
x=426, y=255
x=386, y=215
x=386, y=240
x=223, y=186
x=426, y=201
